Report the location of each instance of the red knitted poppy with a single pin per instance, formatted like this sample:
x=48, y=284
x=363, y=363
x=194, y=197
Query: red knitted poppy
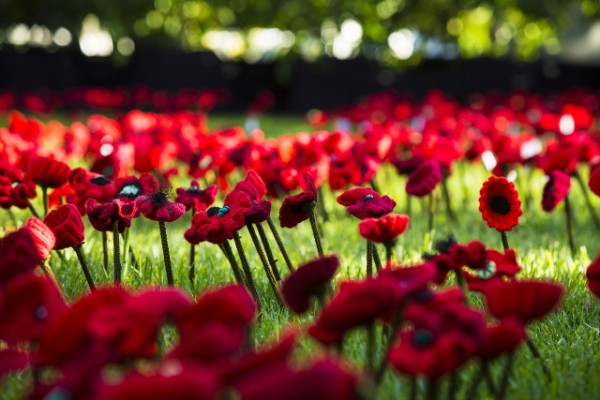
x=47, y=172
x=42, y=235
x=499, y=204
x=384, y=229
x=423, y=180
x=555, y=190
x=67, y=225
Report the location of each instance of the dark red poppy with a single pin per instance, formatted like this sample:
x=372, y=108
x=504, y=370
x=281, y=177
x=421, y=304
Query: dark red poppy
x=29, y=303
x=555, y=190
x=385, y=229
x=42, y=235
x=90, y=185
x=158, y=207
x=498, y=266
x=499, y=204
x=196, y=198
x=594, y=181
x=412, y=280
x=12, y=360
x=423, y=180
x=472, y=255
x=5, y=189
x=102, y=216
x=503, y=337
x=19, y=255
x=218, y=224
x=366, y=203
x=593, y=277
x=131, y=187
x=308, y=280
x=67, y=225
x=296, y=209
x=173, y=380
x=525, y=300
x=47, y=172
x=21, y=191
x=356, y=304
x=253, y=185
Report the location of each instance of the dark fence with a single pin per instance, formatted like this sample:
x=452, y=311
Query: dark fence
x=297, y=85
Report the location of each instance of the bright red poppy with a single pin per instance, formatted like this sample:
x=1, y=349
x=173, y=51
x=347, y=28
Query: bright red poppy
x=499, y=204
x=385, y=229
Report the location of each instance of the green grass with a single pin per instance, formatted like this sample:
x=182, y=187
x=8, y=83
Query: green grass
x=567, y=339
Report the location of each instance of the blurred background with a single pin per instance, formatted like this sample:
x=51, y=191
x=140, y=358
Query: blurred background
x=306, y=53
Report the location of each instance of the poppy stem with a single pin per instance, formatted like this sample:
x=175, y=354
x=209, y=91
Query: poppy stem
x=488, y=378
x=192, y=271
x=321, y=205
x=376, y=258
x=475, y=383
x=501, y=393
x=245, y=266
x=504, y=240
x=116, y=253
x=105, y=250
x=430, y=211
x=414, y=388
x=369, y=259
x=315, y=230
x=166, y=254
x=275, y=233
x=432, y=390
x=34, y=212
x=396, y=321
x=268, y=251
x=45, y=199
x=226, y=248
x=460, y=280
x=446, y=194
x=370, y=348
x=536, y=354
x=569, y=215
x=84, y=266
x=588, y=201
x=265, y=263
x=453, y=386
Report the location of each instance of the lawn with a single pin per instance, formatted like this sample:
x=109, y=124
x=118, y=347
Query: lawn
x=567, y=339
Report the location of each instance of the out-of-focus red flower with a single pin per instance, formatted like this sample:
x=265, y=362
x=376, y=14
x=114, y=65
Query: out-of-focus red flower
x=20, y=191
x=196, y=198
x=423, y=180
x=19, y=255
x=524, y=300
x=42, y=235
x=555, y=190
x=308, y=280
x=594, y=182
x=366, y=203
x=499, y=204
x=158, y=207
x=593, y=277
x=498, y=267
x=89, y=185
x=67, y=225
x=472, y=255
x=12, y=360
x=503, y=337
x=385, y=229
x=295, y=209
x=323, y=380
x=29, y=303
x=47, y=172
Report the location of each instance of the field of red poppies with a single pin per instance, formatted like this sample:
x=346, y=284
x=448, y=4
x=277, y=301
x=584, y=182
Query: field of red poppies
x=394, y=248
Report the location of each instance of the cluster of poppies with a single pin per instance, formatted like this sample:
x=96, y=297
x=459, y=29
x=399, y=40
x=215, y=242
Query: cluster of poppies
x=99, y=98
x=418, y=321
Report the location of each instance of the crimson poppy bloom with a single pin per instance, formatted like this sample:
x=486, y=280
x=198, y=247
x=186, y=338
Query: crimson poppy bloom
x=423, y=180
x=42, y=235
x=102, y=216
x=323, y=380
x=297, y=208
x=19, y=255
x=308, y=280
x=593, y=277
x=29, y=304
x=20, y=191
x=90, y=185
x=196, y=198
x=218, y=224
x=472, y=255
x=503, y=337
x=47, y=172
x=499, y=204
x=384, y=229
x=412, y=280
x=356, y=304
x=555, y=190
x=67, y=225
x=498, y=266
x=158, y=207
x=525, y=300
x=366, y=203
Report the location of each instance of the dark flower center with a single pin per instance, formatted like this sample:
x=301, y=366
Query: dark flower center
x=488, y=272
x=444, y=246
x=194, y=189
x=222, y=211
x=500, y=205
x=423, y=338
x=41, y=312
x=423, y=296
x=213, y=211
x=368, y=197
x=131, y=191
x=159, y=198
x=100, y=180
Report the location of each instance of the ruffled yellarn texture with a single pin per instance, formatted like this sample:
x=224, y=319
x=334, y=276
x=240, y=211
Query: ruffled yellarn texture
x=196, y=198
x=499, y=204
x=423, y=180
x=555, y=190
x=384, y=229
x=42, y=235
x=67, y=225
x=296, y=209
x=47, y=172
x=158, y=207
x=366, y=203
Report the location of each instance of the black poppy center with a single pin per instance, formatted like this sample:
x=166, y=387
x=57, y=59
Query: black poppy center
x=100, y=180
x=500, y=205
x=212, y=211
x=423, y=338
x=159, y=198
